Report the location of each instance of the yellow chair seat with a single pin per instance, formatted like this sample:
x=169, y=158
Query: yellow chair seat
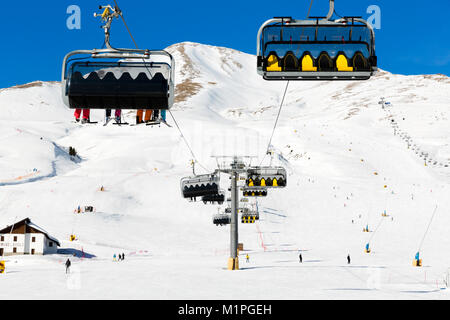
x=342, y=64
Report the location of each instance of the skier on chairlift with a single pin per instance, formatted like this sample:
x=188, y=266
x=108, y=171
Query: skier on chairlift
x=117, y=114
x=140, y=116
x=86, y=115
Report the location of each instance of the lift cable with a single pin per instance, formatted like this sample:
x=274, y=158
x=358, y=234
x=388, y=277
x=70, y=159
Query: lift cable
x=185, y=141
x=276, y=123
x=131, y=36
x=126, y=26
x=171, y=114
x=281, y=106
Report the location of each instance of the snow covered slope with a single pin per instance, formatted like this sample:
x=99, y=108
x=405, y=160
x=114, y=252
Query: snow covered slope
x=346, y=168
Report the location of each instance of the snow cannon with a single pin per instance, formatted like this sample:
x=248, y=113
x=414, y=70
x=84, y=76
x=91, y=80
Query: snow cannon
x=2, y=267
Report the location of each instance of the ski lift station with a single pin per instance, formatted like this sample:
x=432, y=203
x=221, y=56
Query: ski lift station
x=26, y=238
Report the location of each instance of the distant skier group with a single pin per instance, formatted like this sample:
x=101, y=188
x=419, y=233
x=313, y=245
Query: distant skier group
x=120, y=257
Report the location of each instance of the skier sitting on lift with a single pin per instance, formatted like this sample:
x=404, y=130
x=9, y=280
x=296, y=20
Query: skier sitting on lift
x=140, y=116
x=86, y=115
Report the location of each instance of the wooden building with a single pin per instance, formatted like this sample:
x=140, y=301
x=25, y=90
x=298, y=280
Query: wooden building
x=24, y=237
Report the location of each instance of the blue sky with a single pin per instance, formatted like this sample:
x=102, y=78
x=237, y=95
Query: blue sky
x=414, y=37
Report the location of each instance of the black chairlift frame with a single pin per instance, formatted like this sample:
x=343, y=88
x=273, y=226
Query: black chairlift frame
x=148, y=90
x=318, y=23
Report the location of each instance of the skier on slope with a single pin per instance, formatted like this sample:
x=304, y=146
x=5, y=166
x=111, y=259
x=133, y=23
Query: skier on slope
x=349, y=259
x=300, y=258
x=68, y=264
x=86, y=115
x=247, y=258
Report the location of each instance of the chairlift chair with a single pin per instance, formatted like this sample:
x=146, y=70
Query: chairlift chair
x=254, y=192
x=200, y=186
x=218, y=198
x=250, y=217
x=318, y=48
x=114, y=78
x=268, y=177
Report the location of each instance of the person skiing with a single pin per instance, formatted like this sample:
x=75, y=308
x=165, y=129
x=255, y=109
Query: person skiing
x=114, y=257
x=348, y=259
x=117, y=114
x=123, y=256
x=300, y=258
x=68, y=264
x=248, y=258
x=86, y=115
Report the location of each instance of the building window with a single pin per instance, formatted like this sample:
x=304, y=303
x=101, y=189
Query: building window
x=33, y=239
x=33, y=251
x=2, y=238
x=15, y=239
x=14, y=250
x=50, y=244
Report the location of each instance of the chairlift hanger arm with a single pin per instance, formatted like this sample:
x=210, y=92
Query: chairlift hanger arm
x=331, y=11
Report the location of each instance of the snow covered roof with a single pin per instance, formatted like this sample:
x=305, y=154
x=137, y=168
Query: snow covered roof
x=30, y=224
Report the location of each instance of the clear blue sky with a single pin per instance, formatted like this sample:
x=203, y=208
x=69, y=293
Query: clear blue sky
x=414, y=36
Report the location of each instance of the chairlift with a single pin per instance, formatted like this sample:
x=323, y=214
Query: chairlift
x=254, y=192
x=114, y=78
x=318, y=48
x=268, y=177
x=200, y=186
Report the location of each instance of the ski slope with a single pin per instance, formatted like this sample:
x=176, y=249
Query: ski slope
x=346, y=167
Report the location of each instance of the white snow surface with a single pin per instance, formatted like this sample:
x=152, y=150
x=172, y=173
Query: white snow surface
x=346, y=167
